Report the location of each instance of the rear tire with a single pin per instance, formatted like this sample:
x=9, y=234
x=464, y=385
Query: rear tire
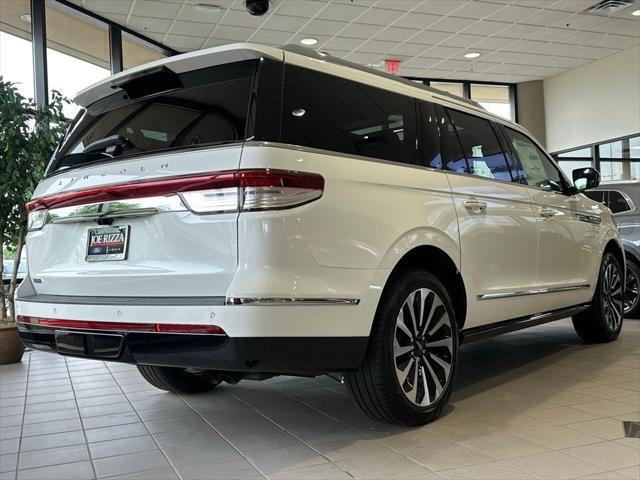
x=632, y=293
x=177, y=380
x=407, y=375
x=602, y=322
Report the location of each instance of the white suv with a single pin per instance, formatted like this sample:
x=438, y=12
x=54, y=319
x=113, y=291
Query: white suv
x=246, y=211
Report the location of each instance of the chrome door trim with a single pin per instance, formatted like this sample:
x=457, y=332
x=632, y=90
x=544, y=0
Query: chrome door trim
x=518, y=293
x=135, y=207
x=278, y=301
x=534, y=291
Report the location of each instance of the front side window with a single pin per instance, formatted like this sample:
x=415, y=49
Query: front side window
x=333, y=113
x=202, y=107
x=480, y=146
x=539, y=170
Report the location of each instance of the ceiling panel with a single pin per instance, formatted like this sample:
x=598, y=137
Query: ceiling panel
x=396, y=34
x=157, y=9
x=518, y=39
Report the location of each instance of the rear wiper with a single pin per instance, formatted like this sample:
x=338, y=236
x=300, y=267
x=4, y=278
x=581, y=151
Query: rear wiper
x=112, y=145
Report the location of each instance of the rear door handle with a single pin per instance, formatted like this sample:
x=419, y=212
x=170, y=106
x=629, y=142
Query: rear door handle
x=476, y=206
x=547, y=212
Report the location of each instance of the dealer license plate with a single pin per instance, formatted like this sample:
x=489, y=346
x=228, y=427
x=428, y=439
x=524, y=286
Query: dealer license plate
x=107, y=244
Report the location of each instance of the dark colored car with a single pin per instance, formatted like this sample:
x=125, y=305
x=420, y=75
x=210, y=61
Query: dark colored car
x=7, y=270
x=623, y=198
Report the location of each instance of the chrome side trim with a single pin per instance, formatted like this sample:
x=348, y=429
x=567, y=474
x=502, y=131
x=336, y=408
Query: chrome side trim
x=137, y=207
x=565, y=288
x=535, y=291
x=588, y=218
x=264, y=301
x=519, y=293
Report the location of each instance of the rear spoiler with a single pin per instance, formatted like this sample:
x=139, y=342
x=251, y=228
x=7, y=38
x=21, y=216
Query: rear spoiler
x=130, y=81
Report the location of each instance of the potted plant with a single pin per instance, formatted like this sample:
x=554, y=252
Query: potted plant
x=28, y=136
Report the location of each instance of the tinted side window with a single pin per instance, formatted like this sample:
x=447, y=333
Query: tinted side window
x=538, y=169
x=429, y=137
x=596, y=195
x=617, y=202
x=452, y=157
x=332, y=113
x=481, y=146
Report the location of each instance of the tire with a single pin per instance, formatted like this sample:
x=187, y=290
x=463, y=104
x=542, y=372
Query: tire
x=395, y=351
x=602, y=322
x=632, y=290
x=177, y=380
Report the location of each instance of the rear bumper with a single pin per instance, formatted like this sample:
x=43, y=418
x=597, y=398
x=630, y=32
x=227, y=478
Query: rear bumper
x=278, y=355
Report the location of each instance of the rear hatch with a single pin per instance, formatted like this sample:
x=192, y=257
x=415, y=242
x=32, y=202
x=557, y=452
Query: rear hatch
x=125, y=208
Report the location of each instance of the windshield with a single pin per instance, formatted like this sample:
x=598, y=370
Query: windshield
x=203, y=107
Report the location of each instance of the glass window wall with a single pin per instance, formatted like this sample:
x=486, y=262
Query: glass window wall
x=75, y=45
x=135, y=52
x=580, y=158
x=616, y=160
x=450, y=87
x=15, y=45
x=620, y=160
x=495, y=98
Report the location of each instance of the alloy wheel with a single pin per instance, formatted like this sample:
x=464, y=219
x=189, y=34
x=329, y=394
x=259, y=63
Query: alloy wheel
x=631, y=290
x=423, y=347
x=612, y=295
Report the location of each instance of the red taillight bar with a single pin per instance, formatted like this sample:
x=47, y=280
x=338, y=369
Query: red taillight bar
x=121, y=326
x=182, y=183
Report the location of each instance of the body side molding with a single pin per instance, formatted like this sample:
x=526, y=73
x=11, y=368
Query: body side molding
x=493, y=329
x=534, y=291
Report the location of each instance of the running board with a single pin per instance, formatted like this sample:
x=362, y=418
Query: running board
x=493, y=329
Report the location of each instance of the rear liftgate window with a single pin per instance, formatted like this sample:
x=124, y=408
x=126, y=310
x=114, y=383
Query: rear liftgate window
x=162, y=111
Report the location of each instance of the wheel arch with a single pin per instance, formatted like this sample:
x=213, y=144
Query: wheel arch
x=439, y=263
x=616, y=249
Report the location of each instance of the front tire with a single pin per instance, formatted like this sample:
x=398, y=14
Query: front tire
x=177, y=380
x=407, y=375
x=602, y=322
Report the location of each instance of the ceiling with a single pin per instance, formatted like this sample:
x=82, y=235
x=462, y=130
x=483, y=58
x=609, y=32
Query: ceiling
x=519, y=40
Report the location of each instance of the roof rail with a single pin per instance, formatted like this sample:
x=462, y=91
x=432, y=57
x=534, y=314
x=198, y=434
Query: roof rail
x=315, y=54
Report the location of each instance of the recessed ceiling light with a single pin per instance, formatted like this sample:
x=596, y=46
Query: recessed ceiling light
x=207, y=7
x=471, y=55
x=636, y=13
x=26, y=18
x=308, y=41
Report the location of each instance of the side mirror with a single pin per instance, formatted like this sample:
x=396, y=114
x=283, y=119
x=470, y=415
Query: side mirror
x=585, y=178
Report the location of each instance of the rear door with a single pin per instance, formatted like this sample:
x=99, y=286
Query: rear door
x=498, y=234
x=114, y=217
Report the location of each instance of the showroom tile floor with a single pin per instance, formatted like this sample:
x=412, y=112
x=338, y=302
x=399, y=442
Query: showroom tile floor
x=532, y=404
